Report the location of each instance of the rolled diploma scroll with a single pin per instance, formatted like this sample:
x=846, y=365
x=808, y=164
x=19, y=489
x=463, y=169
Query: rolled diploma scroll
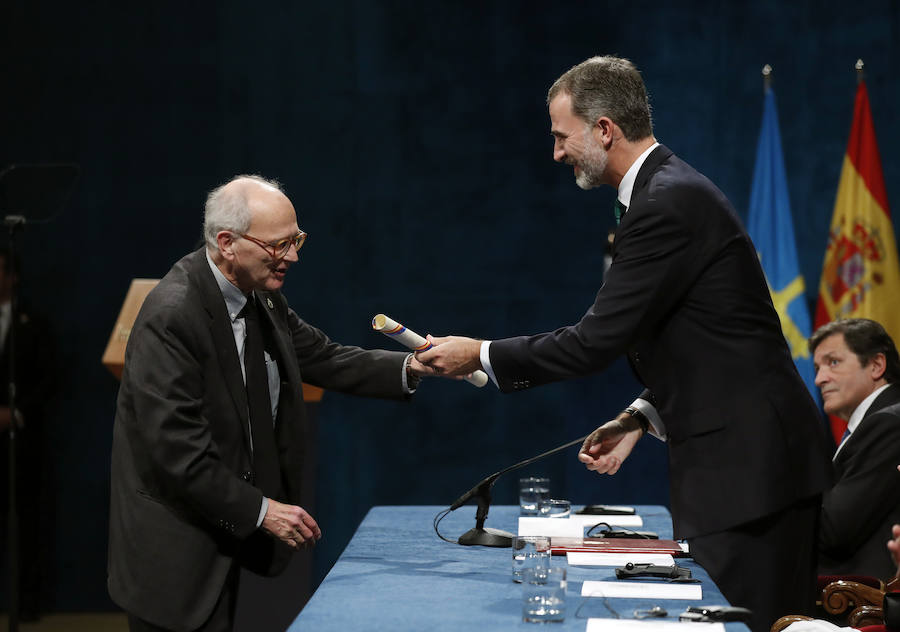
x=414, y=342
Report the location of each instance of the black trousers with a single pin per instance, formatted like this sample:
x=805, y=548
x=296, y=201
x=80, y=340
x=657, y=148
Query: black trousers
x=768, y=565
x=221, y=619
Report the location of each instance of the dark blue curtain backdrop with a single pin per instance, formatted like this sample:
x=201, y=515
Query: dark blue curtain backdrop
x=413, y=139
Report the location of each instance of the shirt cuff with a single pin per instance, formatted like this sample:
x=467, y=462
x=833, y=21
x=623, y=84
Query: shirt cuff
x=406, y=388
x=657, y=427
x=262, y=511
x=485, y=357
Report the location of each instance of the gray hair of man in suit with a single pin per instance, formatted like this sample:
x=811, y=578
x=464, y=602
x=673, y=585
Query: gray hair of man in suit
x=607, y=86
x=227, y=209
x=866, y=339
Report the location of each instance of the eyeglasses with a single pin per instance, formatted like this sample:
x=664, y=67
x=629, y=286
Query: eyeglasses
x=279, y=249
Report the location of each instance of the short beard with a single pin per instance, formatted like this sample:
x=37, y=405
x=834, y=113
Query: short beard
x=592, y=164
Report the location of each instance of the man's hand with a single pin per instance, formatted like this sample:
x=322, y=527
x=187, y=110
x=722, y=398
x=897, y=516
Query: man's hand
x=418, y=369
x=894, y=546
x=608, y=446
x=451, y=355
x=291, y=524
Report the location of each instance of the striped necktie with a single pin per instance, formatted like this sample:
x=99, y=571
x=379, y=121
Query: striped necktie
x=844, y=437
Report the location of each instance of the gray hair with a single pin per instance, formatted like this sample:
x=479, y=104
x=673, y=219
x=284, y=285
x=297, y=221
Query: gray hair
x=607, y=86
x=227, y=209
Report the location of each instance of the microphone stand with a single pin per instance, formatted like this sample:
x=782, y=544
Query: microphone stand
x=482, y=493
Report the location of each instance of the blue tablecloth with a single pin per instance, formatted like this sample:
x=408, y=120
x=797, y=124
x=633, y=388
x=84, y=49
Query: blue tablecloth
x=396, y=574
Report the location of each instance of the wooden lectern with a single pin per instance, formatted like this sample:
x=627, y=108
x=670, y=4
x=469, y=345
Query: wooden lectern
x=114, y=356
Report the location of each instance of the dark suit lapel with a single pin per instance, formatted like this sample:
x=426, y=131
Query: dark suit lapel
x=651, y=164
x=281, y=337
x=887, y=397
x=223, y=337
x=291, y=414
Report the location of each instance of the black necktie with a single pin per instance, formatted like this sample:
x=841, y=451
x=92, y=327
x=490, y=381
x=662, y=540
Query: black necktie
x=265, y=452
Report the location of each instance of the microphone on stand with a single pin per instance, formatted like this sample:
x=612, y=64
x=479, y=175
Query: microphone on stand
x=482, y=491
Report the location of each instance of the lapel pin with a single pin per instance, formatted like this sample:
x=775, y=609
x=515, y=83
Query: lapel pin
x=269, y=303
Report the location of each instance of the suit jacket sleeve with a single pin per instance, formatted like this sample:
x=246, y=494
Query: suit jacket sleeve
x=346, y=369
x=653, y=267
x=868, y=489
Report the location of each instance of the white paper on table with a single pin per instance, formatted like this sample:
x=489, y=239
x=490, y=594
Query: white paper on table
x=559, y=527
x=651, y=625
x=575, y=558
x=641, y=590
x=613, y=520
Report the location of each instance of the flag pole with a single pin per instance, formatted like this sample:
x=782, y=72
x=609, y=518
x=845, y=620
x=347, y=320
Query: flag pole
x=859, y=71
x=767, y=78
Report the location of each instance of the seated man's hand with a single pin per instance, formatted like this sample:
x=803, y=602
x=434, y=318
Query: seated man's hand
x=291, y=524
x=451, y=355
x=894, y=546
x=608, y=446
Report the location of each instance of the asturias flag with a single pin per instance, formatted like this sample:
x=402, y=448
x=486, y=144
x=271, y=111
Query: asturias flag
x=772, y=230
x=861, y=275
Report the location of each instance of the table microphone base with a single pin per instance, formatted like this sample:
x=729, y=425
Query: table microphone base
x=486, y=537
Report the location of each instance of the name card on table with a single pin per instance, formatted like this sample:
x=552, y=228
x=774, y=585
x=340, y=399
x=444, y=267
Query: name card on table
x=552, y=527
x=572, y=526
x=575, y=558
x=627, y=625
x=587, y=520
x=641, y=590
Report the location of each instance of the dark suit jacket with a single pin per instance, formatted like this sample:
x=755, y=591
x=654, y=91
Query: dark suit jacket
x=857, y=513
x=686, y=299
x=183, y=507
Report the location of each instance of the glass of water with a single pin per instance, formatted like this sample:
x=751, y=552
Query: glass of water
x=555, y=508
x=529, y=552
x=532, y=491
x=544, y=595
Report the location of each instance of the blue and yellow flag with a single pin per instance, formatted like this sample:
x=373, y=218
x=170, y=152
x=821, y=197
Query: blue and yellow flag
x=772, y=230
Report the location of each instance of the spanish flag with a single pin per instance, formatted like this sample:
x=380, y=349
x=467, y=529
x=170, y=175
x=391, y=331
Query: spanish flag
x=861, y=274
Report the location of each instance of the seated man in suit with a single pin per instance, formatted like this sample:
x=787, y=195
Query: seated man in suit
x=857, y=370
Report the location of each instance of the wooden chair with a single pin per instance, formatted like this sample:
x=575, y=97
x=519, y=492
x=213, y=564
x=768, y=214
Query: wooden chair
x=857, y=601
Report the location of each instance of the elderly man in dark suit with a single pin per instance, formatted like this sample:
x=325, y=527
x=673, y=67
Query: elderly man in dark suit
x=686, y=300
x=210, y=427
x=857, y=370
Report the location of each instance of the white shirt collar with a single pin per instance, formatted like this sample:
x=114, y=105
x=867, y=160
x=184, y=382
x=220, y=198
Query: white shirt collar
x=627, y=183
x=234, y=298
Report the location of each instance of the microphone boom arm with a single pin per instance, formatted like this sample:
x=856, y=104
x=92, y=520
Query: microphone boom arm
x=479, y=535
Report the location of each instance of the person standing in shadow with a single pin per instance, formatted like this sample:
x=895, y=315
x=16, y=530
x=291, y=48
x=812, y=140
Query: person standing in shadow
x=34, y=379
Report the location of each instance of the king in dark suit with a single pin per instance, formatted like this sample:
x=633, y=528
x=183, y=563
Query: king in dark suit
x=858, y=371
x=686, y=300
x=206, y=462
